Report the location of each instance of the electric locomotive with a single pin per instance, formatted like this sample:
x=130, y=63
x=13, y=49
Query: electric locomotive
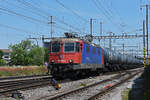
x=74, y=57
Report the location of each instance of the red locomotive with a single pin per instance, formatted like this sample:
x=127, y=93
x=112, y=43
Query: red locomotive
x=74, y=57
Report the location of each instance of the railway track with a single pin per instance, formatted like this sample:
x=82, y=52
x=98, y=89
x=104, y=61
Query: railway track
x=92, y=91
x=7, y=85
x=21, y=77
x=107, y=90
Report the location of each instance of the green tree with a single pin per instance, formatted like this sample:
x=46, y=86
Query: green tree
x=2, y=62
x=36, y=56
x=46, y=56
x=27, y=53
x=1, y=54
x=20, y=52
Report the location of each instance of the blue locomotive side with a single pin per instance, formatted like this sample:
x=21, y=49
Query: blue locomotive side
x=91, y=54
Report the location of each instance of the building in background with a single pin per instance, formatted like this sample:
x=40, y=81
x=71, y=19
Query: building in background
x=6, y=54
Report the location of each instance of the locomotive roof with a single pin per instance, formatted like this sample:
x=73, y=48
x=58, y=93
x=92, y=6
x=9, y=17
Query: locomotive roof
x=63, y=39
x=66, y=39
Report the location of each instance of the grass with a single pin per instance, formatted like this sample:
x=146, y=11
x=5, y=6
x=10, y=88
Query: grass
x=146, y=96
x=146, y=84
x=125, y=95
x=22, y=70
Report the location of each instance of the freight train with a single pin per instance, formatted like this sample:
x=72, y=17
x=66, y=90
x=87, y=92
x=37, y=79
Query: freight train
x=73, y=57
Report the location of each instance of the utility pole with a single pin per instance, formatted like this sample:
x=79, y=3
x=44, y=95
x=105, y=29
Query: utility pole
x=104, y=43
x=133, y=53
x=101, y=28
x=91, y=32
x=144, y=42
x=147, y=6
x=147, y=32
x=51, y=23
x=110, y=45
x=91, y=26
x=43, y=52
x=123, y=48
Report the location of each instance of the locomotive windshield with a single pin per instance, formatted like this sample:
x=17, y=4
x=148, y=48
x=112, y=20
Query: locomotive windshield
x=55, y=47
x=69, y=47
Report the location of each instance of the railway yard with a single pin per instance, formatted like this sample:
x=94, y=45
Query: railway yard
x=39, y=88
x=74, y=50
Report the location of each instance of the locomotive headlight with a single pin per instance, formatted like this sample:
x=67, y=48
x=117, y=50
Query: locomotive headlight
x=71, y=61
x=52, y=61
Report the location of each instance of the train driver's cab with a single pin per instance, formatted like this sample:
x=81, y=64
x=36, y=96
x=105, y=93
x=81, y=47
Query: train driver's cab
x=66, y=52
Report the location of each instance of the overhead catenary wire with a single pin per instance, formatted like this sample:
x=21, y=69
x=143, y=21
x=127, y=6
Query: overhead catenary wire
x=111, y=11
x=27, y=4
x=114, y=11
x=62, y=28
x=75, y=13
x=108, y=16
x=27, y=17
x=17, y=29
x=101, y=10
x=106, y=10
x=21, y=15
x=48, y=14
x=20, y=7
x=63, y=22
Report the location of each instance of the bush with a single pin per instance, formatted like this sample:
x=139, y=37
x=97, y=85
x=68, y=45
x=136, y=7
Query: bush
x=146, y=85
x=1, y=54
x=2, y=62
x=27, y=53
x=21, y=71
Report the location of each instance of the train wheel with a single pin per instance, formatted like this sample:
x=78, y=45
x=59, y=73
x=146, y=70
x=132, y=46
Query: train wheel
x=55, y=73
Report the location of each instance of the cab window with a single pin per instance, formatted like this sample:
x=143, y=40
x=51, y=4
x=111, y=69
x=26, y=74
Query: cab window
x=77, y=47
x=55, y=47
x=69, y=47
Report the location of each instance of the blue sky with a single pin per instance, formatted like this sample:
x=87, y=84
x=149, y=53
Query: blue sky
x=118, y=16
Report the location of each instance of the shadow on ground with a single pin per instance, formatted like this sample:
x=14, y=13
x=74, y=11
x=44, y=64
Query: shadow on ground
x=141, y=87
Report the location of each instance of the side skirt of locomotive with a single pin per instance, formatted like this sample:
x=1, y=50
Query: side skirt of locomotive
x=75, y=70
x=118, y=67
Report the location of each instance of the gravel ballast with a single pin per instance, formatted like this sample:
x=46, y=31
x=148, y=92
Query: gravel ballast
x=37, y=93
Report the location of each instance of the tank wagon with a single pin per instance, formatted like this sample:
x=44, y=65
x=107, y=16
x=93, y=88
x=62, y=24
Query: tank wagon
x=76, y=57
